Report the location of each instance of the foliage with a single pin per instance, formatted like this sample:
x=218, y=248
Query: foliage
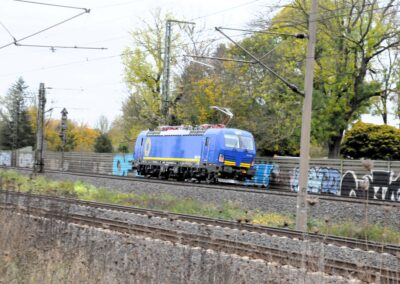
x=119, y=137
x=103, y=144
x=80, y=137
x=143, y=70
x=16, y=128
x=388, y=74
x=348, y=45
x=259, y=104
x=83, y=135
x=371, y=232
x=366, y=140
x=103, y=125
x=274, y=220
x=123, y=148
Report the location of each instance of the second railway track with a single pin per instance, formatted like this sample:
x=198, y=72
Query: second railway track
x=365, y=273
x=8, y=197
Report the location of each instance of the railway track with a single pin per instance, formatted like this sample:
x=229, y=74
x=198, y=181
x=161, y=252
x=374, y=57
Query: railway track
x=279, y=232
x=347, y=269
x=250, y=189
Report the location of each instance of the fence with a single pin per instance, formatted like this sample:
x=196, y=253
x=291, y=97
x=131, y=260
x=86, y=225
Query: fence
x=328, y=176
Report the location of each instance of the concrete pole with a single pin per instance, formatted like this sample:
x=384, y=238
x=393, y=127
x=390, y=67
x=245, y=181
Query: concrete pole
x=301, y=210
x=166, y=72
x=165, y=82
x=38, y=167
x=63, y=134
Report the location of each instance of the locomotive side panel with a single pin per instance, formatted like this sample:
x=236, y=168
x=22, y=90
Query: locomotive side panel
x=173, y=148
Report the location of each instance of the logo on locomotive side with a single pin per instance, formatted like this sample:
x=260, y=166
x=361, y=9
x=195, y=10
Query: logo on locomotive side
x=147, y=147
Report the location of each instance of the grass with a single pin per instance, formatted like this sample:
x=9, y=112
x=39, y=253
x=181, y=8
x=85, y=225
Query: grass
x=228, y=211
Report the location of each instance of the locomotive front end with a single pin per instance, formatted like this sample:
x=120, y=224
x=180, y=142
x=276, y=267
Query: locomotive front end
x=236, y=155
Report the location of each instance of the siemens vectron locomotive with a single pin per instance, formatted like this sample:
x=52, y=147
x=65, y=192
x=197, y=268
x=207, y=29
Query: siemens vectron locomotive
x=208, y=153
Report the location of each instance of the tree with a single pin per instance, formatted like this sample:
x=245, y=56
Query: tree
x=351, y=36
x=103, y=125
x=387, y=75
x=367, y=140
x=143, y=71
x=16, y=131
x=103, y=144
x=80, y=137
x=259, y=103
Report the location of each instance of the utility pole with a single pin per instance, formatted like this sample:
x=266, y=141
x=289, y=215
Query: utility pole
x=166, y=71
x=39, y=164
x=301, y=210
x=15, y=130
x=167, y=60
x=63, y=134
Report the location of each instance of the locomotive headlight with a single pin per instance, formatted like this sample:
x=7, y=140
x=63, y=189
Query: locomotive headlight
x=221, y=158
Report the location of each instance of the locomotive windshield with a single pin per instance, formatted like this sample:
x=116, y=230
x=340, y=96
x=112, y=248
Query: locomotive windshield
x=239, y=142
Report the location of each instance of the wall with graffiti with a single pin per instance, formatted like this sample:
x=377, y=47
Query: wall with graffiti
x=333, y=177
x=5, y=158
x=377, y=185
x=122, y=164
x=25, y=159
x=320, y=180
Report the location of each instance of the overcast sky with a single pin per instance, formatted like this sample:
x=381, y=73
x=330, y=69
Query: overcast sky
x=89, y=83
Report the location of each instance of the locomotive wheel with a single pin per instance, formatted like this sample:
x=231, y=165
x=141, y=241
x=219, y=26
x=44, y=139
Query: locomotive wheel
x=211, y=179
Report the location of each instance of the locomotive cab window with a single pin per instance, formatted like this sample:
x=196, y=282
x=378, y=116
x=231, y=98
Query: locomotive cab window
x=239, y=142
x=246, y=143
x=231, y=140
x=206, y=143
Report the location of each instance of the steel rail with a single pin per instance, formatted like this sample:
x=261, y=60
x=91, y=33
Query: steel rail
x=279, y=232
x=367, y=273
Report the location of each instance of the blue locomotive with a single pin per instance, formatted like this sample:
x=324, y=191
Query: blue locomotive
x=208, y=153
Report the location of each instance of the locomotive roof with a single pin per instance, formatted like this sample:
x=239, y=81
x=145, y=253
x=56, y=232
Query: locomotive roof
x=186, y=132
x=178, y=132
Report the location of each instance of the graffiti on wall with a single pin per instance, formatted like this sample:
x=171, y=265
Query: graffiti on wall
x=320, y=180
x=5, y=159
x=266, y=174
x=380, y=185
x=25, y=159
x=122, y=164
x=377, y=185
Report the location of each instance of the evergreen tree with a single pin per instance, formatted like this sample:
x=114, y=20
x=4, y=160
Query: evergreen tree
x=16, y=130
x=103, y=144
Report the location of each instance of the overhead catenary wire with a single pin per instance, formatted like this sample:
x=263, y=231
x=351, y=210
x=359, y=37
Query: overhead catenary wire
x=7, y=30
x=106, y=57
x=53, y=47
x=43, y=30
x=298, y=35
x=53, y=5
x=225, y=10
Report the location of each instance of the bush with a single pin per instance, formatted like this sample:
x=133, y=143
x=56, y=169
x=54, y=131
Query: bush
x=103, y=144
x=367, y=140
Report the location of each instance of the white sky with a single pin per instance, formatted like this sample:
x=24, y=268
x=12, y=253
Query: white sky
x=89, y=83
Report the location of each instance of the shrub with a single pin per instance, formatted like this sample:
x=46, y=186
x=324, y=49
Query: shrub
x=367, y=140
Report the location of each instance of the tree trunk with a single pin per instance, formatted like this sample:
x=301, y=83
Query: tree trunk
x=334, y=146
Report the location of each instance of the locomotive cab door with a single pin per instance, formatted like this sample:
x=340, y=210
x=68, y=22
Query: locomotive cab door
x=207, y=151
